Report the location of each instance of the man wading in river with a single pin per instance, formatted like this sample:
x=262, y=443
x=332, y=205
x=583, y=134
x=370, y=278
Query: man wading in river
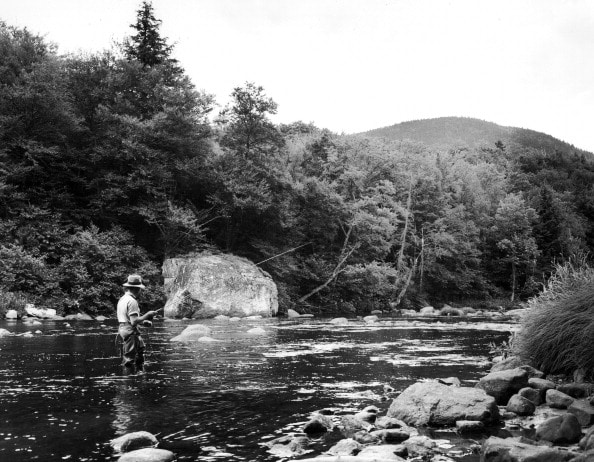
x=129, y=319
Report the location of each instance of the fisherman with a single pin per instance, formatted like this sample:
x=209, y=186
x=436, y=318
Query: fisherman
x=129, y=318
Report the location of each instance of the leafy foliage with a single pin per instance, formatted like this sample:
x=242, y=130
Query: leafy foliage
x=109, y=164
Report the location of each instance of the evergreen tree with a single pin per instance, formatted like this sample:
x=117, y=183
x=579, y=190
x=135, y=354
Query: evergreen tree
x=147, y=46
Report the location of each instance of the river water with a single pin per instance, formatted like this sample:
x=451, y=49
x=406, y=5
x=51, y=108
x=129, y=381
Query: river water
x=63, y=395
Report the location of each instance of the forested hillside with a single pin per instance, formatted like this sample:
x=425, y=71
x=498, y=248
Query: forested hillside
x=112, y=162
x=451, y=132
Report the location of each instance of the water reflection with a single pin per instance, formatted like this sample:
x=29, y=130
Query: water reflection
x=63, y=395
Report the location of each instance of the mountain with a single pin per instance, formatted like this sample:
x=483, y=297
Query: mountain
x=456, y=131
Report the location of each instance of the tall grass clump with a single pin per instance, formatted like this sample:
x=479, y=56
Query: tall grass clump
x=11, y=301
x=556, y=334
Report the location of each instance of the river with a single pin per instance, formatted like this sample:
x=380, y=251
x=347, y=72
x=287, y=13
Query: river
x=64, y=396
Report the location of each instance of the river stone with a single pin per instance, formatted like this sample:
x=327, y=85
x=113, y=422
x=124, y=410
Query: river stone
x=345, y=447
x=292, y=313
x=428, y=311
x=512, y=450
x=503, y=384
x=192, y=333
x=541, y=384
x=76, y=317
x=364, y=437
x=132, y=441
x=339, y=321
x=352, y=423
x=384, y=452
x=4, y=332
x=391, y=436
x=222, y=284
x=583, y=410
x=469, y=426
x=289, y=446
x=367, y=416
x=563, y=429
x=318, y=424
x=534, y=395
x=510, y=362
x=520, y=405
x=385, y=422
x=148, y=455
x=43, y=313
x=451, y=381
x=587, y=442
x=256, y=331
x=357, y=458
x=558, y=400
x=371, y=318
x=11, y=314
x=587, y=456
x=576, y=390
x=420, y=446
x=432, y=403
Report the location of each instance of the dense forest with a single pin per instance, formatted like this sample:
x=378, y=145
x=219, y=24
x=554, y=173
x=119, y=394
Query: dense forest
x=111, y=162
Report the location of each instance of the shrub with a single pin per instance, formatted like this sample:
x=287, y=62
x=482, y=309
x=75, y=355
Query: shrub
x=556, y=334
x=11, y=301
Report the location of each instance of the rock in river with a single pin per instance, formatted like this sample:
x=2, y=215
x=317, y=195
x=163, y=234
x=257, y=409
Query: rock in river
x=192, y=333
x=148, y=455
x=433, y=403
x=208, y=285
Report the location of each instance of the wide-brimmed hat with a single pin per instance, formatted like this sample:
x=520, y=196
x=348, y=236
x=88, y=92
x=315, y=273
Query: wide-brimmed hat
x=134, y=280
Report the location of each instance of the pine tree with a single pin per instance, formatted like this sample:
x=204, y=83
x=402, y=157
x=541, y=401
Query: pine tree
x=147, y=45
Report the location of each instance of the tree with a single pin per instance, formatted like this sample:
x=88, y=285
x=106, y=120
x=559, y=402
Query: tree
x=147, y=46
x=247, y=129
x=514, y=244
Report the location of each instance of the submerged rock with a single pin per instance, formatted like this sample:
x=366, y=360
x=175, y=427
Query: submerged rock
x=256, y=331
x=192, y=333
x=148, y=455
x=218, y=284
x=432, y=403
x=134, y=440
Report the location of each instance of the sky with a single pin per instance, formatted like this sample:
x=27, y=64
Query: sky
x=356, y=65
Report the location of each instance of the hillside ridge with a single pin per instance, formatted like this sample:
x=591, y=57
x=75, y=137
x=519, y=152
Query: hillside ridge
x=473, y=132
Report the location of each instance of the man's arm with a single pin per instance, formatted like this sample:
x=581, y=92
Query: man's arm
x=135, y=319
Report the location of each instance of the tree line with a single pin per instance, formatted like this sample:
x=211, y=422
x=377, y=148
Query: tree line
x=113, y=161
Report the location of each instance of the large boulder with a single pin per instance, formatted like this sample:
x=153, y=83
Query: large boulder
x=433, y=403
x=502, y=385
x=207, y=285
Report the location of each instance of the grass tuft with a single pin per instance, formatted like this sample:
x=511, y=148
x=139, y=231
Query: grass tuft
x=556, y=334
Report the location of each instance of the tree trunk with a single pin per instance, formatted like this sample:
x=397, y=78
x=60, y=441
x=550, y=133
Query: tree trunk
x=337, y=269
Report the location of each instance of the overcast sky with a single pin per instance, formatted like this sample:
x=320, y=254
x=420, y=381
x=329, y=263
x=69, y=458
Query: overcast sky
x=354, y=65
